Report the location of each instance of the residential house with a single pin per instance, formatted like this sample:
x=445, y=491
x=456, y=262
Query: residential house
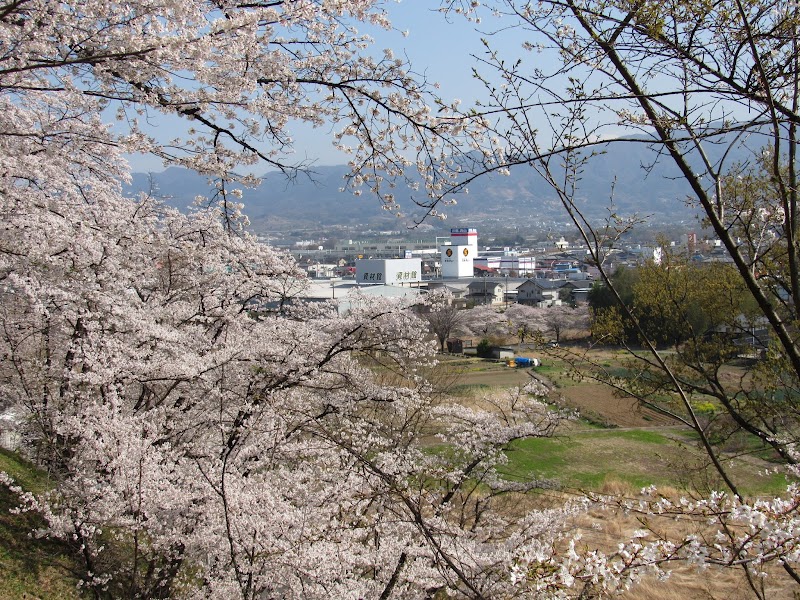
x=578, y=291
x=540, y=292
x=486, y=291
x=458, y=292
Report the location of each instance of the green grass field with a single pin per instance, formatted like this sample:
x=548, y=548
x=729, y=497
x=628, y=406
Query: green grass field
x=589, y=460
x=30, y=567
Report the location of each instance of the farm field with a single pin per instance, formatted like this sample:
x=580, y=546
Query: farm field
x=618, y=448
x=595, y=401
x=614, y=442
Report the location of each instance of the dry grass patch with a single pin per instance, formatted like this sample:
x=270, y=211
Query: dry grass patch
x=605, y=527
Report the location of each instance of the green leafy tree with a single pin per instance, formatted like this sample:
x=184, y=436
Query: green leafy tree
x=607, y=323
x=624, y=280
x=673, y=302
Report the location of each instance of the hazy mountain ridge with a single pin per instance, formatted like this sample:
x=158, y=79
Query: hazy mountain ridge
x=614, y=180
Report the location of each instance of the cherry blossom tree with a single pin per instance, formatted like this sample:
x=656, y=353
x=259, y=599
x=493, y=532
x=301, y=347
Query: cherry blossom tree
x=525, y=322
x=562, y=319
x=529, y=322
x=484, y=321
x=208, y=434
x=238, y=74
x=442, y=316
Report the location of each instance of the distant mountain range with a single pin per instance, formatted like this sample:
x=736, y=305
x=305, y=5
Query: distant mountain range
x=523, y=197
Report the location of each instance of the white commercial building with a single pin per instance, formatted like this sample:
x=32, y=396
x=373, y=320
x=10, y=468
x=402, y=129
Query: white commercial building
x=457, y=261
x=457, y=256
x=389, y=271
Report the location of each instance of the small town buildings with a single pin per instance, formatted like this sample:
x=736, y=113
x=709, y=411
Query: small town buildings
x=507, y=263
x=483, y=271
x=321, y=270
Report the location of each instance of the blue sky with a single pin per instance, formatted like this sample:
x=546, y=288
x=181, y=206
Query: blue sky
x=438, y=46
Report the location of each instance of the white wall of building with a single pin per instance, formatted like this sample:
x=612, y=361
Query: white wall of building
x=489, y=262
x=457, y=261
x=507, y=264
x=389, y=271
